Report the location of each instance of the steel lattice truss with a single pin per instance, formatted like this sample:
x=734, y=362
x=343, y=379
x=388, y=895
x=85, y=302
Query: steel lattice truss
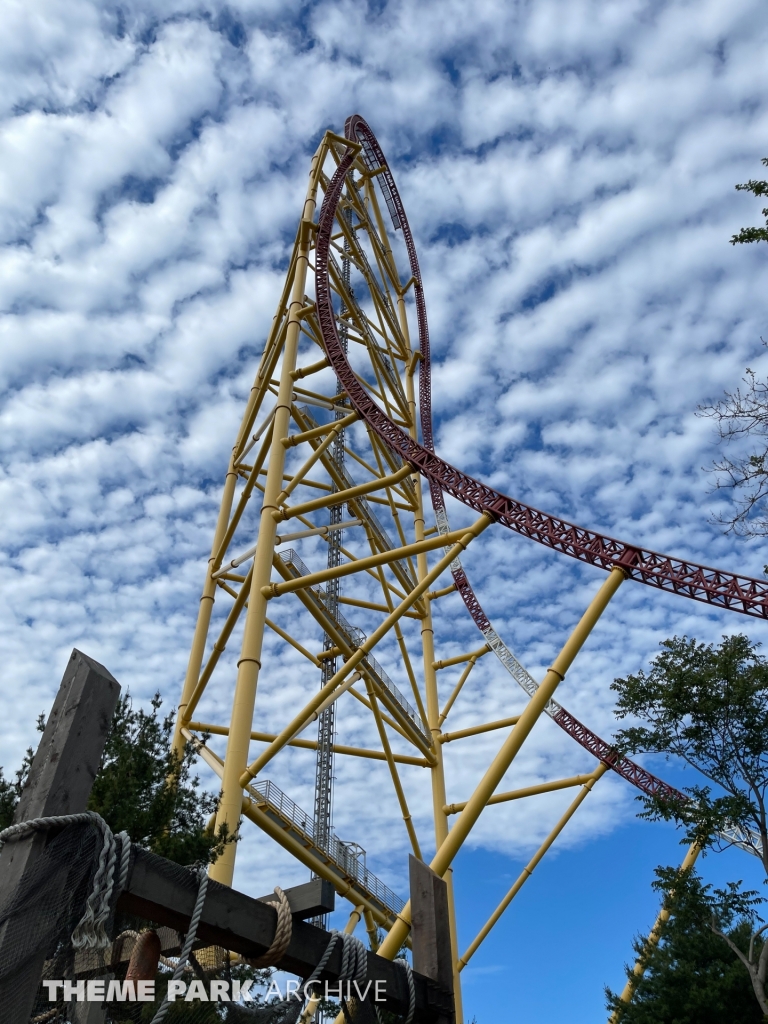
x=333, y=443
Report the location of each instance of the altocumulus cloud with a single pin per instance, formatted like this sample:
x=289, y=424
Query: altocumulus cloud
x=568, y=169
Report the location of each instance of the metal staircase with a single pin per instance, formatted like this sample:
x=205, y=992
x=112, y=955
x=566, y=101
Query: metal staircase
x=343, y=858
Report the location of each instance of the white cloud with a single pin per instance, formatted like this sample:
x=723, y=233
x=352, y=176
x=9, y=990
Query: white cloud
x=568, y=172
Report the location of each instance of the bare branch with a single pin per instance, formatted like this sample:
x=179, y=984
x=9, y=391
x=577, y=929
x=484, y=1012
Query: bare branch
x=743, y=415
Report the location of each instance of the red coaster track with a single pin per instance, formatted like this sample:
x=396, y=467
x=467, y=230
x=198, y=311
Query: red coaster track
x=701, y=583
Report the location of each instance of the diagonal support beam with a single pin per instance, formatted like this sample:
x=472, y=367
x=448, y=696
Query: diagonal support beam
x=532, y=864
x=338, y=748
x=509, y=750
x=477, y=730
x=393, y=772
x=652, y=941
x=526, y=791
x=360, y=564
x=365, y=648
x=342, y=497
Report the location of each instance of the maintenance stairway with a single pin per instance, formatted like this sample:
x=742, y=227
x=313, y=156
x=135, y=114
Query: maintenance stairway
x=345, y=859
x=277, y=815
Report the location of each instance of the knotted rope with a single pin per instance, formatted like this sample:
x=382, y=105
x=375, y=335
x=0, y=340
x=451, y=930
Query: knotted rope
x=283, y=931
x=322, y=962
x=90, y=930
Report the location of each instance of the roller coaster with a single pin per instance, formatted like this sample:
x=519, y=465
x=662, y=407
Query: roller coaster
x=297, y=449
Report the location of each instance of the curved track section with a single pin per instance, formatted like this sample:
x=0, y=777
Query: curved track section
x=623, y=766
x=699, y=582
x=711, y=586
x=630, y=771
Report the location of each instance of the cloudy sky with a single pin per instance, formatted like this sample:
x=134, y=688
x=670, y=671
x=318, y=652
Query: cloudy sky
x=568, y=172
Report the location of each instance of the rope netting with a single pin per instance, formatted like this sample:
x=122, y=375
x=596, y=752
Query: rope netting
x=96, y=965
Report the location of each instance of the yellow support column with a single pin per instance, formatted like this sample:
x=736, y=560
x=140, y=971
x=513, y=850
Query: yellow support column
x=532, y=864
x=207, y=599
x=506, y=755
x=439, y=798
x=236, y=760
x=652, y=941
x=373, y=931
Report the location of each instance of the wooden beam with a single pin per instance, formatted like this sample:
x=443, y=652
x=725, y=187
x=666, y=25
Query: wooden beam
x=161, y=891
x=312, y=899
x=60, y=781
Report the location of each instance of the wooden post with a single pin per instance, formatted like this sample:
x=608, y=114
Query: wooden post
x=60, y=781
x=430, y=931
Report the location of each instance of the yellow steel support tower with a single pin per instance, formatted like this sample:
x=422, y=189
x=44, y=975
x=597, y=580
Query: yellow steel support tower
x=279, y=484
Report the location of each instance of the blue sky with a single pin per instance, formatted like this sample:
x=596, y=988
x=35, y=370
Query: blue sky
x=568, y=172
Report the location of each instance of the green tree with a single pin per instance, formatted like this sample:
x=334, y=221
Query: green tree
x=693, y=976
x=11, y=791
x=707, y=706
x=757, y=188
x=9, y=797
x=142, y=787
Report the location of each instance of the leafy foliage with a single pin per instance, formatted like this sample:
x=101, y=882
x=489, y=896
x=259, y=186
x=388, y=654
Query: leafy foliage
x=11, y=791
x=741, y=415
x=707, y=706
x=9, y=797
x=757, y=188
x=142, y=787
x=693, y=976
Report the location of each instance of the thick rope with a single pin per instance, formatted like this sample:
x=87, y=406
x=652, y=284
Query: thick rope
x=354, y=967
x=188, y=941
x=323, y=961
x=90, y=932
x=48, y=1015
x=354, y=959
x=125, y=859
x=283, y=931
x=411, y=990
